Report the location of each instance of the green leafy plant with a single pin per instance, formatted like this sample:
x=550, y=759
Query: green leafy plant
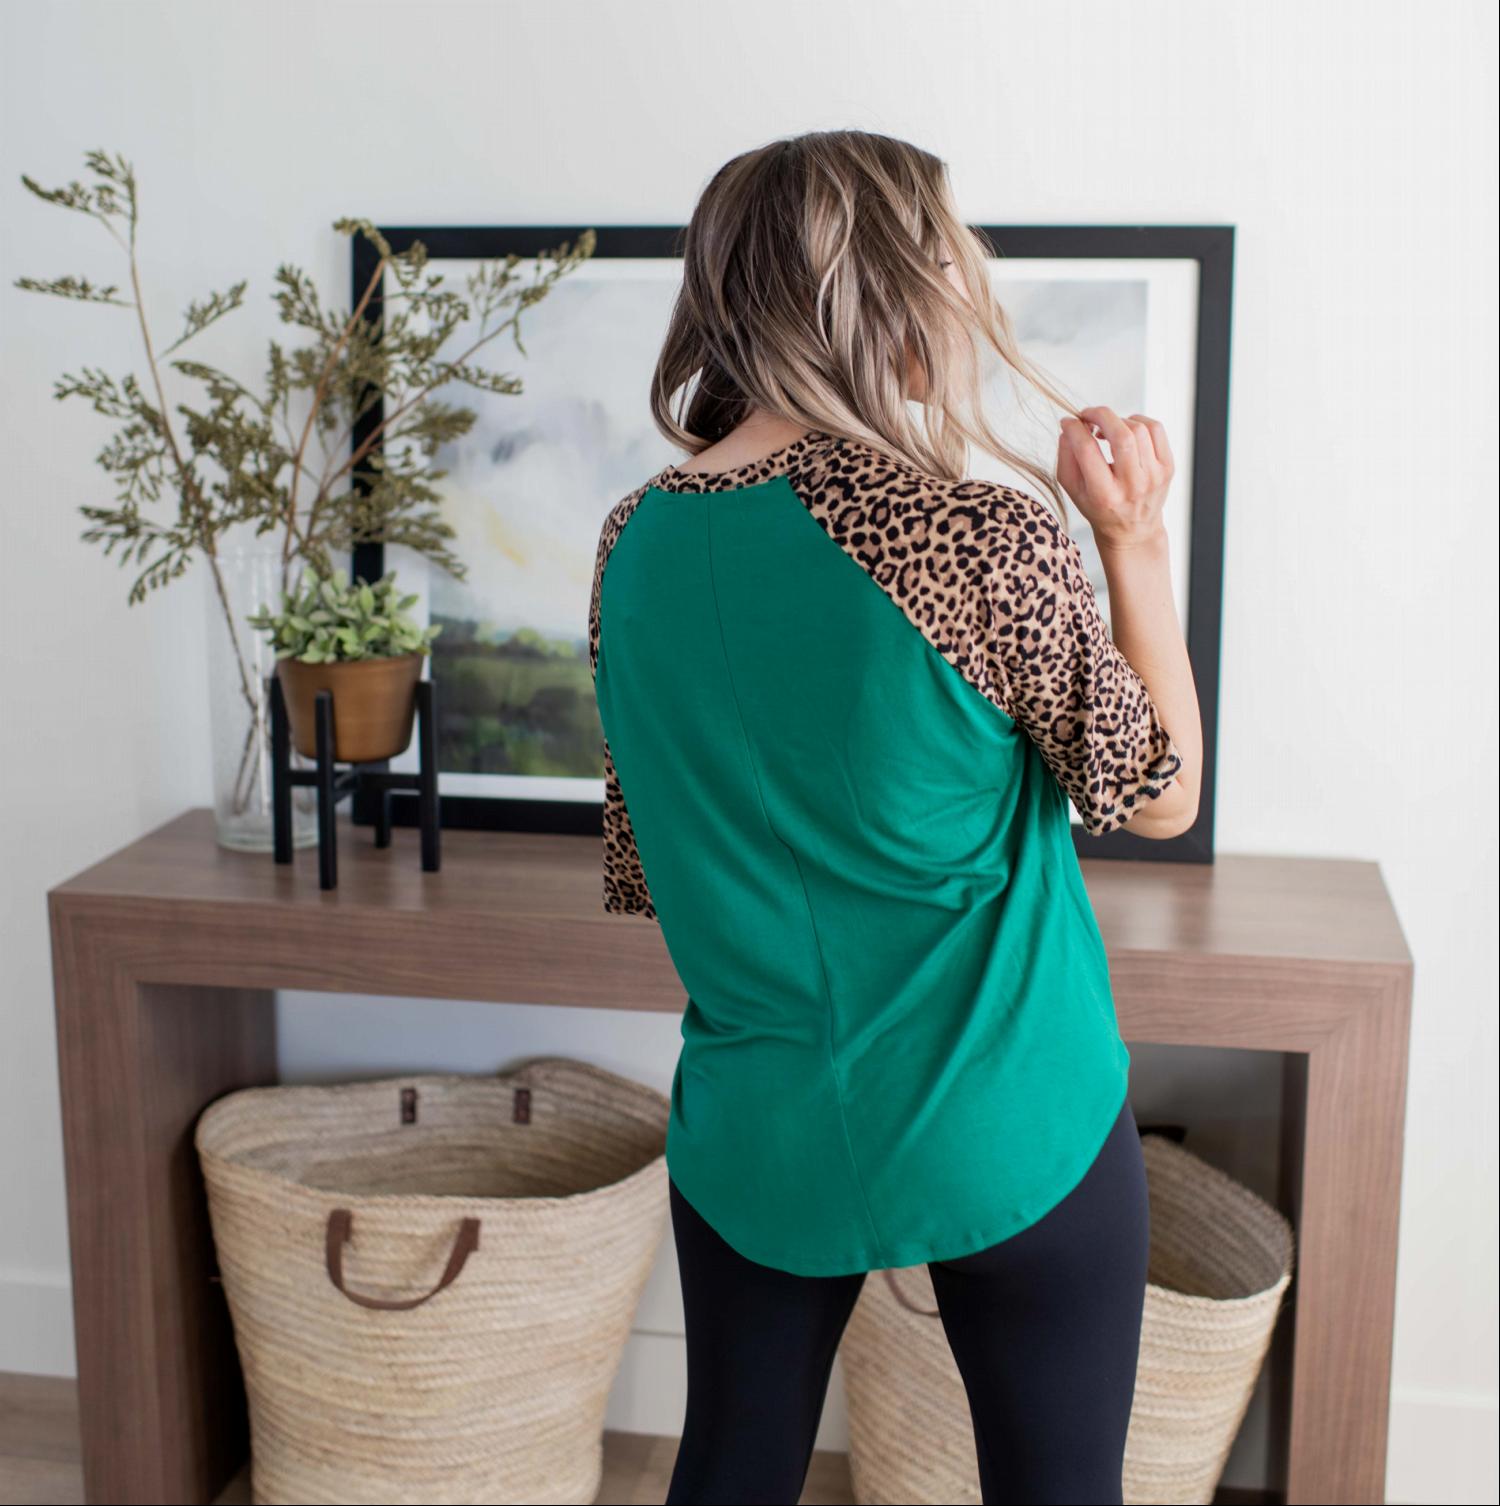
x=241, y=456
x=332, y=620
x=337, y=444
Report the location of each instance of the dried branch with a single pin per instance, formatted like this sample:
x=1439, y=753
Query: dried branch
x=237, y=456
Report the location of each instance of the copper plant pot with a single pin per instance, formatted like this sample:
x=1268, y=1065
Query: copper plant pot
x=374, y=705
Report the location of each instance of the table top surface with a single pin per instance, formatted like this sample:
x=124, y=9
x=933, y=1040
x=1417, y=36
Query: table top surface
x=1311, y=909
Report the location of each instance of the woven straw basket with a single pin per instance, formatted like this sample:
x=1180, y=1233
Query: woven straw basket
x=1220, y=1261
x=432, y=1278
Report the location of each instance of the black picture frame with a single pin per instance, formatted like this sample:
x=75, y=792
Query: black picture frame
x=1211, y=246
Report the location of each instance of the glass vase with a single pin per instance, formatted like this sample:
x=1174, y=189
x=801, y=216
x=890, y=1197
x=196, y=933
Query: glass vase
x=243, y=578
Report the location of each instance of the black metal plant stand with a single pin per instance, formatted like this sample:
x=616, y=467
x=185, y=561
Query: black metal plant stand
x=333, y=783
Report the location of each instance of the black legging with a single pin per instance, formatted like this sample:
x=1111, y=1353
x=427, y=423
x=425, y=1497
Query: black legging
x=1044, y=1326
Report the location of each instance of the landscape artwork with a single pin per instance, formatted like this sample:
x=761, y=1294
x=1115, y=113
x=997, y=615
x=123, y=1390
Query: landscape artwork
x=526, y=492
x=528, y=488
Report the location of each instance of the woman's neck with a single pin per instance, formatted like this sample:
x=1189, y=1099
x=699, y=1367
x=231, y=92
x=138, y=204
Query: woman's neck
x=759, y=434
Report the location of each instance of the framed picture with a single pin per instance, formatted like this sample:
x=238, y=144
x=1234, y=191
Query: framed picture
x=1134, y=317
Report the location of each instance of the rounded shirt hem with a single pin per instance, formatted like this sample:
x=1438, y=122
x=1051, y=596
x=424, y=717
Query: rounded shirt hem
x=908, y=1253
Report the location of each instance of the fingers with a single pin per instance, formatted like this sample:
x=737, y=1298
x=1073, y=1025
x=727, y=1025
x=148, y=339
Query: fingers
x=1129, y=465
x=1158, y=433
x=1145, y=450
x=1069, y=477
x=1098, y=479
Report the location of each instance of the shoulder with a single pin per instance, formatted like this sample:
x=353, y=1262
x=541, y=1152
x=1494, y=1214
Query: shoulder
x=856, y=468
x=627, y=504
x=616, y=519
x=986, y=525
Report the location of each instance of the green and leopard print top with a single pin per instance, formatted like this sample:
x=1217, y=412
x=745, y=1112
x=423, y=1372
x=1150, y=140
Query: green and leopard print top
x=845, y=707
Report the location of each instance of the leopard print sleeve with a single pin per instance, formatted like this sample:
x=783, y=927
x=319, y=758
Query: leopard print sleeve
x=625, y=888
x=986, y=572
x=1064, y=680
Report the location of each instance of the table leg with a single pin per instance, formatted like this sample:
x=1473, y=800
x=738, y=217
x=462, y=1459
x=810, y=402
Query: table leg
x=160, y=1395
x=1345, y=1283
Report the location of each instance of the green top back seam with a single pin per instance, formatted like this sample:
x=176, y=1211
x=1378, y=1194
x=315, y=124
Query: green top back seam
x=801, y=881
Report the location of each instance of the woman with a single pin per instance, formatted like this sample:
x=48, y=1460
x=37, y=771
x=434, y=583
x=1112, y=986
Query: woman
x=847, y=695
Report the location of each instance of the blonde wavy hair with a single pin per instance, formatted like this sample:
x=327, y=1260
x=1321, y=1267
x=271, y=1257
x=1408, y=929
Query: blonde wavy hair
x=813, y=283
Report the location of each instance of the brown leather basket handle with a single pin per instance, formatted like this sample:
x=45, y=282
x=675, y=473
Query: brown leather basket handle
x=905, y=1301
x=340, y=1230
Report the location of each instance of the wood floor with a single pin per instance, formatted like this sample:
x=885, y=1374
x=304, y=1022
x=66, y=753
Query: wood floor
x=39, y=1456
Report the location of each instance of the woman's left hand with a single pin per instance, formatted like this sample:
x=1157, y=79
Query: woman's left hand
x=1121, y=498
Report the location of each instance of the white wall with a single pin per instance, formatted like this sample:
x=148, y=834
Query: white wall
x=1352, y=144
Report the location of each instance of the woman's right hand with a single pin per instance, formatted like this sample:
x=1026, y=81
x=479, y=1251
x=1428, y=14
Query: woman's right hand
x=1123, y=501
x=1123, y=498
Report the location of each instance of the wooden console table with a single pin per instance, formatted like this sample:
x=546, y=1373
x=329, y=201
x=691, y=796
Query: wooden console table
x=166, y=956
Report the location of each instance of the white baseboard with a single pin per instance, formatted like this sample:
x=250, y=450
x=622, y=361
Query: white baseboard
x=1443, y=1447
x=36, y=1323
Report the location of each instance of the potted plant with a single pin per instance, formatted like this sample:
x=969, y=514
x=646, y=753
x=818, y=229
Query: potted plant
x=358, y=641
x=335, y=445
